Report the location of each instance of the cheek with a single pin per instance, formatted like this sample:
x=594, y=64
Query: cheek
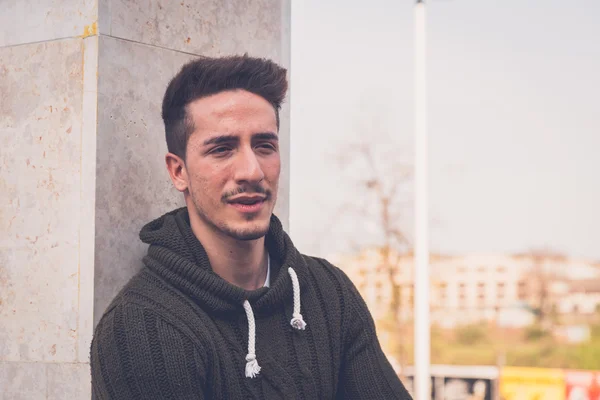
x=209, y=180
x=272, y=169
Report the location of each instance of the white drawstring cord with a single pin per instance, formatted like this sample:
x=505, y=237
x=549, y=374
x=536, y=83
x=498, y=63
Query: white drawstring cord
x=252, y=367
x=297, y=320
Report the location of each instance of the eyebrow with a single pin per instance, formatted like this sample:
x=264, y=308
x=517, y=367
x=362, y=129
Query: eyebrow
x=265, y=136
x=232, y=138
x=221, y=139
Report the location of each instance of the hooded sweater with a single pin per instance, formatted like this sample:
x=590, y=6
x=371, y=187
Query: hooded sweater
x=179, y=331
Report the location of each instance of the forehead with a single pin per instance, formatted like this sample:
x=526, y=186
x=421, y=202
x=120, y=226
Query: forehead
x=232, y=112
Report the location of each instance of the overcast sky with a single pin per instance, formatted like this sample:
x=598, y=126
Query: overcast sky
x=513, y=114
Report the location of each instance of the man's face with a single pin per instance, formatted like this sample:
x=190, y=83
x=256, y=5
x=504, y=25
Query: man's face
x=233, y=163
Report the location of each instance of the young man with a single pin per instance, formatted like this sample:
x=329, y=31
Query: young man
x=226, y=307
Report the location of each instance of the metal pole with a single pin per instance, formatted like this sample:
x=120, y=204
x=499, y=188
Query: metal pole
x=422, y=377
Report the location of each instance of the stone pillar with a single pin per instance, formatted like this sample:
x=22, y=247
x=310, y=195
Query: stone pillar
x=82, y=161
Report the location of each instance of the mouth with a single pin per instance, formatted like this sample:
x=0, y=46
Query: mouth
x=248, y=203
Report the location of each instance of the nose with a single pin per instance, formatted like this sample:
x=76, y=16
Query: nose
x=248, y=168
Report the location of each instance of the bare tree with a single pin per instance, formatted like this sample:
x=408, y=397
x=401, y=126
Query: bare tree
x=384, y=185
x=539, y=278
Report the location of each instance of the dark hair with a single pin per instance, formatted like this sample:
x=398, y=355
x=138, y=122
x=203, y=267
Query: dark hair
x=206, y=76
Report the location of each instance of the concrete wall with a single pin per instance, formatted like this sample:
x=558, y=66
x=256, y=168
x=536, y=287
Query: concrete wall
x=81, y=161
x=45, y=309
x=142, y=45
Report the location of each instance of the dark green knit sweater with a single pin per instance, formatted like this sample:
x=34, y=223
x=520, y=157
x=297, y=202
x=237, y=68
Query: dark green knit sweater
x=179, y=331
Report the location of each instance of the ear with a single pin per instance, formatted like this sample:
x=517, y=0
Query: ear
x=177, y=171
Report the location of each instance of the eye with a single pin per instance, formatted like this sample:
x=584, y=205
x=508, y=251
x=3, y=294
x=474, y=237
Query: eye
x=266, y=147
x=221, y=150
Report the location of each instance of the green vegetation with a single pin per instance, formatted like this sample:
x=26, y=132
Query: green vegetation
x=487, y=344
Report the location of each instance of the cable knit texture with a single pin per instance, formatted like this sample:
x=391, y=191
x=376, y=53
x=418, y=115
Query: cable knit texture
x=179, y=331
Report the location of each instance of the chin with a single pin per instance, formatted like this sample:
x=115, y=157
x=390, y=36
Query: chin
x=247, y=234
x=248, y=230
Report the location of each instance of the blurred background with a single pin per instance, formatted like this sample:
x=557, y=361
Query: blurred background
x=513, y=135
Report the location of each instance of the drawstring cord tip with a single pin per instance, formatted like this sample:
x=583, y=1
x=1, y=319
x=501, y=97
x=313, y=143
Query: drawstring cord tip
x=298, y=322
x=252, y=367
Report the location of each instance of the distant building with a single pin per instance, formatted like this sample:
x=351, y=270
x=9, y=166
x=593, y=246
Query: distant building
x=582, y=297
x=478, y=287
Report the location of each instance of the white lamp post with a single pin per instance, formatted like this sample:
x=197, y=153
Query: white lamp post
x=422, y=377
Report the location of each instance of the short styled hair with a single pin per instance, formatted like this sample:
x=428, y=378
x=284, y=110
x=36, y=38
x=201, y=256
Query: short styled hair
x=206, y=76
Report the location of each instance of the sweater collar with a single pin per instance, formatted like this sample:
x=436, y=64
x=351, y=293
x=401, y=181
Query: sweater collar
x=176, y=255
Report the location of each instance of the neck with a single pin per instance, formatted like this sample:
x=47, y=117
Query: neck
x=240, y=262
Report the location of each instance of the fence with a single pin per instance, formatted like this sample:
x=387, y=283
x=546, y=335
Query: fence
x=449, y=382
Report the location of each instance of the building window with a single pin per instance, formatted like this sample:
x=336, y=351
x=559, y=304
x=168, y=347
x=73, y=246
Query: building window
x=500, y=290
x=522, y=290
x=500, y=269
x=481, y=291
x=408, y=294
x=443, y=290
x=462, y=269
x=481, y=269
x=462, y=296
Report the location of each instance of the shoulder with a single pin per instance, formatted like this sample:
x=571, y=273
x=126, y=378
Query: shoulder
x=326, y=273
x=148, y=305
x=334, y=285
x=138, y=340
x=334, y=277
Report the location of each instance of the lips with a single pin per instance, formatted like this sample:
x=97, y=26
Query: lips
x=248, y=203
x=248, y=200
